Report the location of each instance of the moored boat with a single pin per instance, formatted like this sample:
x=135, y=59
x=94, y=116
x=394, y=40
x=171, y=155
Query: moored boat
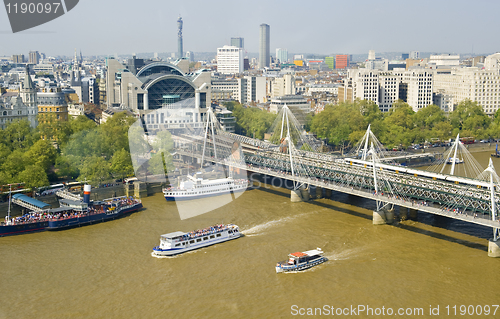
x=301, y=260
x=197, y=187
x=71, y=214
x=179, y=242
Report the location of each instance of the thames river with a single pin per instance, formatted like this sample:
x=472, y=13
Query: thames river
x=107, y=271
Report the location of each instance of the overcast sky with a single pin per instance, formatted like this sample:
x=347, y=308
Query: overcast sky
x=103, y=27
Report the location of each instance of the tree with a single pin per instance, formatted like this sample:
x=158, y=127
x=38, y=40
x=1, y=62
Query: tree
x=95, y=169
x=34, y=176
x=121, y=164
x=42, y=154
x=469, y=119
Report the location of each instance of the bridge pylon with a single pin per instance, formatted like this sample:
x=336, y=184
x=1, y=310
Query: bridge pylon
x=494, y=243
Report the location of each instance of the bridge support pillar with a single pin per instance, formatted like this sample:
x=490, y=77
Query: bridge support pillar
x=379, y=217
x=383, y=216
x=299, y=195
x=305, y=193
x=494, y=248
x=412, y=214
x=319, y=192
x=328, y=193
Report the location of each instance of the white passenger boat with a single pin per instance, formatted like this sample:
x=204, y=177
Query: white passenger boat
x=301, y=260
x=454, y=159
x=197, y=187
x=180, y=242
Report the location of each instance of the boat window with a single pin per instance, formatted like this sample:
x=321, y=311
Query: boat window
x=191, y=241
x=198, y=240
x=177, y=245
x=212, y=236
x=218, y=235
x=205, y=238
x=230, y=231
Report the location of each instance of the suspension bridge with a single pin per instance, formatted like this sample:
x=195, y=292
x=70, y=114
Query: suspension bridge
x=366, y=171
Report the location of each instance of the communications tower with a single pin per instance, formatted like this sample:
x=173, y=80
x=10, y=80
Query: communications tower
x=179, y=40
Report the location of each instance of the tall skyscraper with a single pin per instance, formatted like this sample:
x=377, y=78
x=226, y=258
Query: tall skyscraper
x=237, y=42
x=264, y=47
x=282, y=55
x=179, y=36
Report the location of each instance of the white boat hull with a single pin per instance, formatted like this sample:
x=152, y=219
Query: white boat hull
x=176, y=251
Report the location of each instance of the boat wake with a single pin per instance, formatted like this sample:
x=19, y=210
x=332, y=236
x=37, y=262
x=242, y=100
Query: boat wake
x=343, y=255
x=259, y=229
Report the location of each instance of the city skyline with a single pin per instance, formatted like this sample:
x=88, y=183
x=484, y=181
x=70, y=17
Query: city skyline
x=101, y=28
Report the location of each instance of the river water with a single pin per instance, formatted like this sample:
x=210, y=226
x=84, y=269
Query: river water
x=107, y=271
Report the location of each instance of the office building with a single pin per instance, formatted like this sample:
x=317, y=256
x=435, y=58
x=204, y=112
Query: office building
x=229, y=60
x=342, y=61
x=52, y=105
x=281, y=86
x=473, y=83
x=415, y=55
x=388, y=90
x=264, y=46
x=237, y=42
x=330, y=61
x=405, y=56
x=420, y=84
x=282, y=55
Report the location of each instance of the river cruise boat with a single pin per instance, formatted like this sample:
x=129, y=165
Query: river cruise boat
x=197, y=187
x=70, y=214
x=179, y=242
x=454, y=159
x=301, y=260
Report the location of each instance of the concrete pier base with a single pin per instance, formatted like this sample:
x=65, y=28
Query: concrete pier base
x=296, y=195
x=494, y=248
x=140, y=189
x=328, y=193
x=379, y=217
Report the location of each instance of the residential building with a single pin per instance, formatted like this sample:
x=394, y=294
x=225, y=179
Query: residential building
x=229, y=60
x=264, y=46
x=18, y=58
x=33, y=57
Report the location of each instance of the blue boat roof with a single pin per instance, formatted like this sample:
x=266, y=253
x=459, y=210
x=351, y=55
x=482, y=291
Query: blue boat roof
x=32, y=201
